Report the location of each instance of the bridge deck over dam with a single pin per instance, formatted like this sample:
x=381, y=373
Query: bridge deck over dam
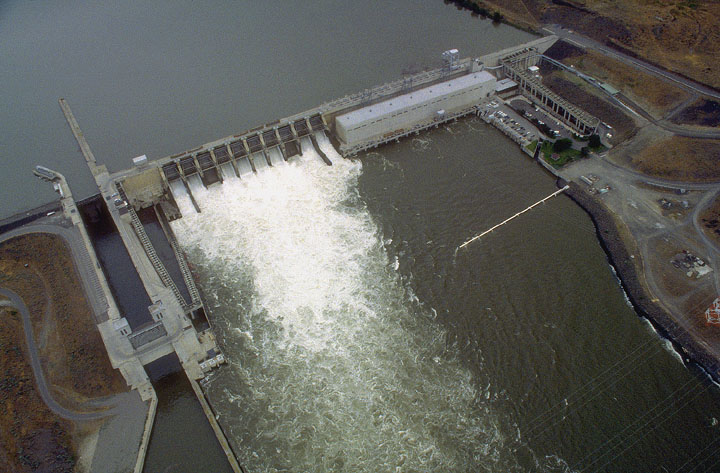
x=266, y=145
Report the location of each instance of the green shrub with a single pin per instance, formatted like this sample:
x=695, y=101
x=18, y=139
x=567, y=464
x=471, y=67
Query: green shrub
x=561, y=145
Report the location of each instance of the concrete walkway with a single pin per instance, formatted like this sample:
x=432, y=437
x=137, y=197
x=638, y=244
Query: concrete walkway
x=121, y=436
x=19, y=305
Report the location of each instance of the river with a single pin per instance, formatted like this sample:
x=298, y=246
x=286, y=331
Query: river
x=358, y=340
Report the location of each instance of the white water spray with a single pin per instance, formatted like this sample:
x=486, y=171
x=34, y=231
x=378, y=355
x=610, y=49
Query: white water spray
x=334, y=367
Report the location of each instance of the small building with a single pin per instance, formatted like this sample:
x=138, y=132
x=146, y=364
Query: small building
x=408, y=110
x=712, y=314
x=506, y=88
x=140, y=161
x=609, y=88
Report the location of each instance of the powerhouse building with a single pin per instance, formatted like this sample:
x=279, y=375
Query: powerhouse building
x=420, y=106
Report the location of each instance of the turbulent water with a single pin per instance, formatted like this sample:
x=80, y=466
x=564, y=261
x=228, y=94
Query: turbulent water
x=336, y=365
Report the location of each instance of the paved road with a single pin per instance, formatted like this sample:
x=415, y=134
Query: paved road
x=586, y=42
x=679, y=130
x=625, y=102
x=81, y=258
x=637, y=207
x=712, y=248
x=42, y=385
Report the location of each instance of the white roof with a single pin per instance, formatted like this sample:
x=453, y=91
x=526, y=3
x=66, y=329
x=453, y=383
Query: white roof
x=419, y=96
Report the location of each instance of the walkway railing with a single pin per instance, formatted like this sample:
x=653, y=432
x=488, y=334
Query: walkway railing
x=394, y=86
x=515, y=67
x=184, y=268
x=147, y=335
x=151, y=253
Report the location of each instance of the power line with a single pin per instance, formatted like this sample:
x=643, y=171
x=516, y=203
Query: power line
x=628, y=426
x=577, y=404
x=606, y=371
x=642, y=427
x=712, y=453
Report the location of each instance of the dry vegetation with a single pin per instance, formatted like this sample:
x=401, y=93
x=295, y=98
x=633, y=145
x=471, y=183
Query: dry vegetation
x=32, y=437
x=703, y=112
x=73, y=355
x=657, y=96
x=710, y=219
x=588, y=98
x=679, y=35
x=680, y=159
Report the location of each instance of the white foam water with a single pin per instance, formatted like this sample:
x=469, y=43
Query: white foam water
x=227, y=171
x=244, y=167
x=181, y=196
x=334, y=368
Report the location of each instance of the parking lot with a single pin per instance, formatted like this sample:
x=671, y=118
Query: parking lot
x=513, y=120
x=532, y=112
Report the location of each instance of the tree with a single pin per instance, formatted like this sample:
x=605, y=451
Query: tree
x=497, y=17
x=561, y=145
x=594, y=141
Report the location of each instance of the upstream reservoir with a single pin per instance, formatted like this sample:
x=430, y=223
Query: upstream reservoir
x=357, y=340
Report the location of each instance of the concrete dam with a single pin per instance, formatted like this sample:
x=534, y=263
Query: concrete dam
x=353, y=124
x=154, y=193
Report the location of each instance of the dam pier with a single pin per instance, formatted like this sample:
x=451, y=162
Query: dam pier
x=142, y=201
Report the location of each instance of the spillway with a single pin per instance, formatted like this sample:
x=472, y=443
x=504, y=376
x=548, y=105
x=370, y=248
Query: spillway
x=334, y=364
x=227, y=171
x=181, y=196
x=275, y=156
x=244, y=167
x=259, y=160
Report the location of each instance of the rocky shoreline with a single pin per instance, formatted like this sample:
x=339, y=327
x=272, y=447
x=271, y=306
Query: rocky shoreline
x=616, y=248
x=607, y=229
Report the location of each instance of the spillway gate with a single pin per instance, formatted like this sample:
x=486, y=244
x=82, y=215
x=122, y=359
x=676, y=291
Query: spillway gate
x=206, y=161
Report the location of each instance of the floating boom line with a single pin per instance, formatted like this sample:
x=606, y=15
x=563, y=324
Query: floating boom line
x=516, y=215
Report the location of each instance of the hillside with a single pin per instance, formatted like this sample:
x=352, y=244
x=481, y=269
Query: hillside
x=680, y=35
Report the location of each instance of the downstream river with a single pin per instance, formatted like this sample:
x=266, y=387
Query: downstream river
x=358, y=339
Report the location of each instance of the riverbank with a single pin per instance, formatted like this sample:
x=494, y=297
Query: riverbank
x=620, y=246
x=617, y=243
